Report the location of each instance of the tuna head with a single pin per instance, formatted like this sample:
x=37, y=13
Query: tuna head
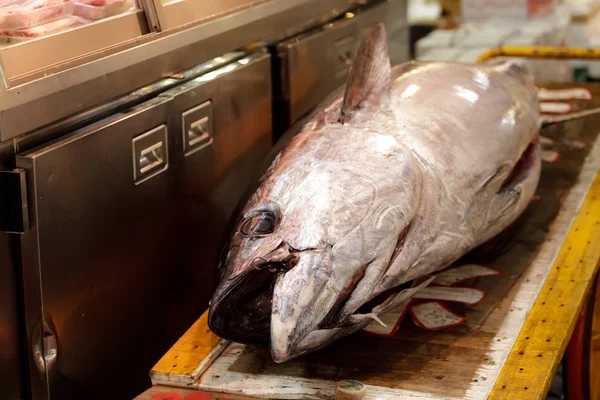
x=320, y=230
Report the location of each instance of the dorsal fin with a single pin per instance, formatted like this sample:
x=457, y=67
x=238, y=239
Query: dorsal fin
x=369, y=76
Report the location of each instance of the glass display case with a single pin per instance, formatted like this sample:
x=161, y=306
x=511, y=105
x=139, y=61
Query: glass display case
x=176, y=13
x=36, y=34
x=62, y=57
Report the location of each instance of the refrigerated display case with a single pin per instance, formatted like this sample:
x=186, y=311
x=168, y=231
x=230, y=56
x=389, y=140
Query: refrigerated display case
x=37, y=34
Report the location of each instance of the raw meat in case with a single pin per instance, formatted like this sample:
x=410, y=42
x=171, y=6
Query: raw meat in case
x=20, y=15
x=43, y=30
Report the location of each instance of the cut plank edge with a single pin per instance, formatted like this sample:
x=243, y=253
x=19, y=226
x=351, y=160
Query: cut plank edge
x=185, y=380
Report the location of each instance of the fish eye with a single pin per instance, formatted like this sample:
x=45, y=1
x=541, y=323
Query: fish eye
x=259, y=224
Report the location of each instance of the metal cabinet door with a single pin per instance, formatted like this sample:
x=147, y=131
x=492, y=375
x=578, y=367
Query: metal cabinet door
x=311, y=66
x=222, y=131
x=102, y=276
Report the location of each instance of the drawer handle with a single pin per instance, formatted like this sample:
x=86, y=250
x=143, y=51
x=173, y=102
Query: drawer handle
x=198, y=132
x=150, y=154
x=197, y=128
x=151, y=157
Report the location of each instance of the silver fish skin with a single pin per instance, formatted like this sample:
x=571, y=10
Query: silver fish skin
x=391, y=180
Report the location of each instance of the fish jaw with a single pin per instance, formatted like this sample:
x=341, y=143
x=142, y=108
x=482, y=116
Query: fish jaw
x=302, y=298
x=240, y=308
x=289, y=344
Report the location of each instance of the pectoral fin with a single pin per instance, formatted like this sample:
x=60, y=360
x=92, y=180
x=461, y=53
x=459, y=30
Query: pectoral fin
x=504, y=204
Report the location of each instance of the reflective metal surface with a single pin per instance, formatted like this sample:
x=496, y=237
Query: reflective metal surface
x=121, y=269
x=212, y=176
x=315, y=63
x=61, y=90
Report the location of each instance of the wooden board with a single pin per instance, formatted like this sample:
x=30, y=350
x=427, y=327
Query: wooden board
x=541, y=255
x=190, y=356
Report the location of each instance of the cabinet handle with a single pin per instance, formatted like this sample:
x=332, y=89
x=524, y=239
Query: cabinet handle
x=45, y=348
x=197, y=128
x=150, y=156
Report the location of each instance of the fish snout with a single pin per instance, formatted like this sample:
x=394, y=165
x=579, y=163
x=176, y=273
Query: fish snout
x=302, y=298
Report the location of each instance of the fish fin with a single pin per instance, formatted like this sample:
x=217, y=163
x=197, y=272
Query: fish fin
x=555, y=119
x=376, y=318
x=369, y=77
x=496, y=178
x=510, y=199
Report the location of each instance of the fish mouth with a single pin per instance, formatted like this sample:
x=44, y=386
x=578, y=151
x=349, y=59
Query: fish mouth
x=243, y=313
x=240, y=310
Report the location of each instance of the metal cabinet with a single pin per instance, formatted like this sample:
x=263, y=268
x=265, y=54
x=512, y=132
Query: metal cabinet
x=313, y=64
x=99, y=258
x=125, y=226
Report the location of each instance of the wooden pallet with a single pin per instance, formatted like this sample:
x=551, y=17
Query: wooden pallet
x=509, y=346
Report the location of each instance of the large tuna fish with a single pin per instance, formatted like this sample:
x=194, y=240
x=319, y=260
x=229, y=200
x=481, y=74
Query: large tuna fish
x=386, y=184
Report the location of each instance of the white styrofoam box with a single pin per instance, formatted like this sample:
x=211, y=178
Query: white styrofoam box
x=486, y=39
x=479, y=9
x=522, y=39
x=423, y=10
x=515, y=9
x=449, y=54
x=536, y=28
x=439, y=38
x=483, y=35
x=470, y=55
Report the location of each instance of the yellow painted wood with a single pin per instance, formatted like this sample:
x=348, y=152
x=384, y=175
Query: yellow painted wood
x=540, y=52
x=530, y=367
x=187, y=354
